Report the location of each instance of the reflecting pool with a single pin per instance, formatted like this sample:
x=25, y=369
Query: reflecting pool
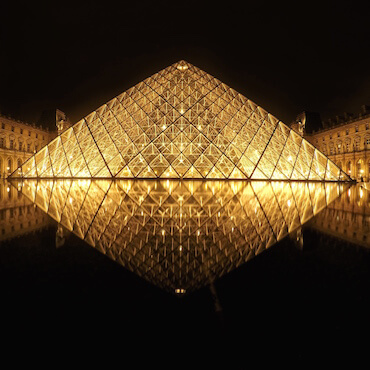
x=214, y=257
x=180, y=235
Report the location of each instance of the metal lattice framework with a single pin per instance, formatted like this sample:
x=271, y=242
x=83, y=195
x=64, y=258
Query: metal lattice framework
x=181, y=123
x=180, y=235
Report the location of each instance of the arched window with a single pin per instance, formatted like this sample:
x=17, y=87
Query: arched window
x=10, y=165
x=359, y=169
x=331, y=148
x=357, y=143
x=339, y=146
x=348, y=167
x=348, y=145
x=19, y=162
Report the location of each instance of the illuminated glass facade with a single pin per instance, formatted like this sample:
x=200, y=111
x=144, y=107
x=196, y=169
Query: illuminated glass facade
x=181, y=123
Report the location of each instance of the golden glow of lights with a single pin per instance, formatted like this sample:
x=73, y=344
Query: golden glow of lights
x=181, y=123
x=177, y=233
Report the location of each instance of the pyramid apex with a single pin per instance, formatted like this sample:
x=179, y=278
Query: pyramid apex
x=182, y=65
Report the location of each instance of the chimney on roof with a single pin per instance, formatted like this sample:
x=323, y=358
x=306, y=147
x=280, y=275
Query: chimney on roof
x=306, y=122
x=54, y=118
x=339, y=119
x=347, y=116
x=365, y=109
x=328, y=123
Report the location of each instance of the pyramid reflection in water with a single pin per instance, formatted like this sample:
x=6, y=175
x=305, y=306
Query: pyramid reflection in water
x=180, y=235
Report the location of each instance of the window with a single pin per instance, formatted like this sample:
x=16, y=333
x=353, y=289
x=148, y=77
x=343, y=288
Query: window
x=12, y=128
x=20, y=145
x=21, y=130
x=37, y=135
x=347, y=131
x=367, y=126
x=2, y=142
x=3, y=126
x=29, y=133
x=358, y=165
x=357, y=144
x=349, y=167
x=11, y=144
x=348, y=145
x=28, y=147
x=356, y=128
x=338, y=134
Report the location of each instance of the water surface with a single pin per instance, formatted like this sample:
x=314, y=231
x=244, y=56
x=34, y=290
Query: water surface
x=231, y=271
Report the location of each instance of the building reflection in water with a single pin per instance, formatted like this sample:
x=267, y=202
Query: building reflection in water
x=180, y=235
x=18, y=215
x=348, y=217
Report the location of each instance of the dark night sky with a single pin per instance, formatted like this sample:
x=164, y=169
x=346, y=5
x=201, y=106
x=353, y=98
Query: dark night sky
x=286, y=58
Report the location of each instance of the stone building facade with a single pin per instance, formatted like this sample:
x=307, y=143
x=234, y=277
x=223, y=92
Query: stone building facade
x=20, y=140
x=346, y=141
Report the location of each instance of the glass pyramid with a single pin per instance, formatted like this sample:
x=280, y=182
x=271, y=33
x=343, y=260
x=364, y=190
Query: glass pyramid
x=180, y=123
x=180, y=235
